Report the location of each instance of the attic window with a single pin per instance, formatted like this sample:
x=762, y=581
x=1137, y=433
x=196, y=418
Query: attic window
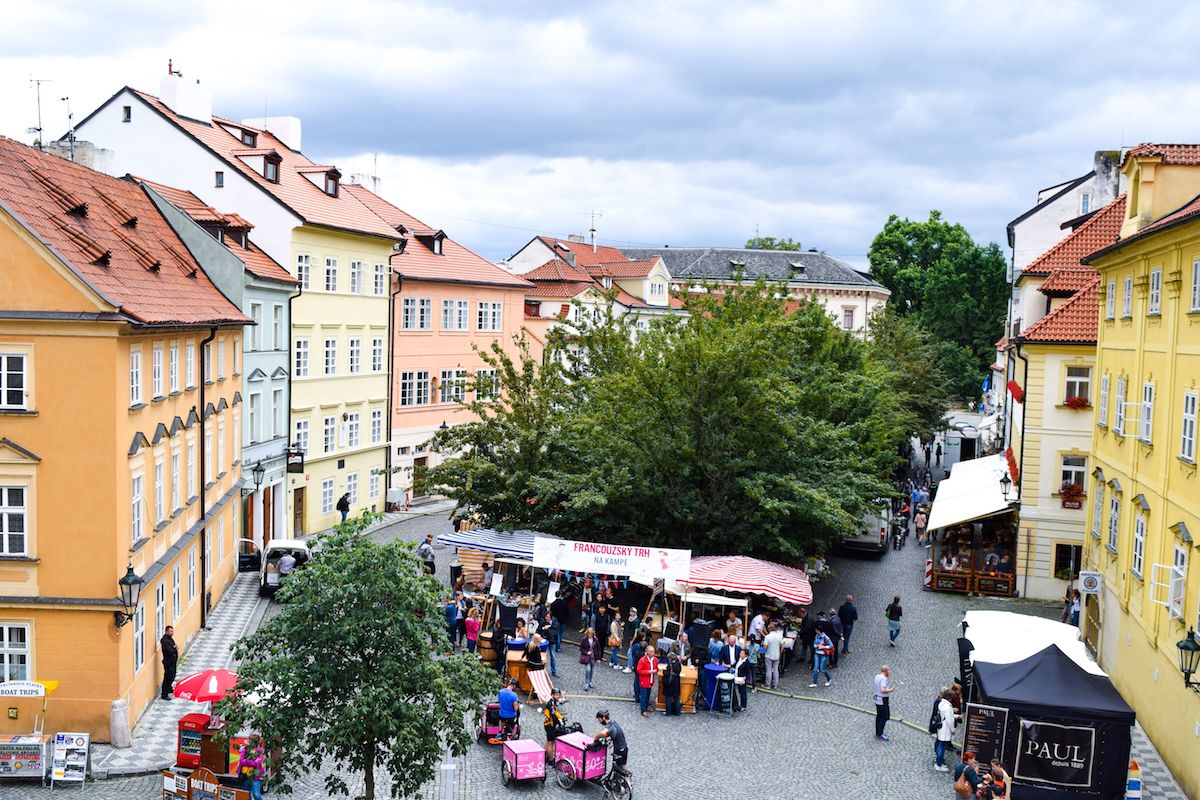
x=249, y=138
x=219, y=179
x=126, y=113
x=271, y=168
x=331, y=183
x=437, y=245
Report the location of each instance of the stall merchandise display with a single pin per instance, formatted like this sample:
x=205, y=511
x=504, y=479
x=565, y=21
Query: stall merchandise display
x=23, y=756
x=70, y=758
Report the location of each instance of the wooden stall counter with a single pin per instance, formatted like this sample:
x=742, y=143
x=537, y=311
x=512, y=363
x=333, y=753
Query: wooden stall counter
x=687, y=690
x=515, y=660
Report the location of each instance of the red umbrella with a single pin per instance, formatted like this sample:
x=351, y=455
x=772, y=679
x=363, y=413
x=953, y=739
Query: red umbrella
x=742, y=574
x=208, y=686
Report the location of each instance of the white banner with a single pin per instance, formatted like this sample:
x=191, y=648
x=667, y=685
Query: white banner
x=612, y=559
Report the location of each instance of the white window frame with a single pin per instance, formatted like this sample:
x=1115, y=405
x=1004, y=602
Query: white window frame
x=1110, y=301
x=9, y=370
x=329, y=434
x=353, y=429
x=189, y=362
x=160, y=491
x=176, y=481
x=1187, y=429
x=1079, y=386
x=302, y=435
x=176, y=592
x=1146, y=427
x=135, y=376
x=10, y=511
x=139, y=638
x=373, y=484
x=1097, y=508
x=1196, y=284
x=355, y=355
x=156, y=372
x=356, y=277
x=1102, y=411
x=221, y=358
x=160, y=608
x=191, y=576
x=277, y=413
x=300, y=370
x=453, y=385
x=380, y=279
x=1127, y=298
x=254, y=404
x=493, y=389
x=425, y=313
x=448, y=316
x=408, y=313
x=377, y=354
x=220, y=447
x=220, y=540
x=278, y=330
x=11, y=654
x=304, y=270
x=1119, y=409
x=1178, y=589
x=173, y=367
x=191, y=466
x=1114, y=521
x=1154, y=304
x=137, y=507
x=331, y=274
x=331, y=356
x=352, y=487
x=327, y=502
x=376, y=426
x=256, y=314
x=1137, y=559
x=1073, y=473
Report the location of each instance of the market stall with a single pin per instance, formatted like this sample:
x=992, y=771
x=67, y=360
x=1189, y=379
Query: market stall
x=974, y=535
x=27, y=756
x=746, y=575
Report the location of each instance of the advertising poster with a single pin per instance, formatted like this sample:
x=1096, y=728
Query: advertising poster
x=985, y=728
x=612, y=559
x=1062, y=755
x=22, y=757
x=70, y=754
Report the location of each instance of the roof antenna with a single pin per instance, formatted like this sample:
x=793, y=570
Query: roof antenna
x=70, y=126
x=375, y=172
x=171, y=69
x=37, y=84
x=595, y=214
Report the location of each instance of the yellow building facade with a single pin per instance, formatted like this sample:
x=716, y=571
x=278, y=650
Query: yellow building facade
x=1144, y=495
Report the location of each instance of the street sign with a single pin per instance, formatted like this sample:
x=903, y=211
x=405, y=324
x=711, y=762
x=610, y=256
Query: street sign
x=295, y=461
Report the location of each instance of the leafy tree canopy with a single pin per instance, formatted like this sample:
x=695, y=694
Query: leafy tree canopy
x=771, y=243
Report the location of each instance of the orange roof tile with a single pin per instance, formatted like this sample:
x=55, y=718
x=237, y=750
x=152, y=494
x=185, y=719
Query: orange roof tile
x=1098, y=232
x=560, y=288
x=296, y=192
x=584, y=256
x=555, y=270
x=1066, y=282
x=1002, y=343
x=1174, y=154
x=624, y=268
x=1076, y=321
x=114, y=238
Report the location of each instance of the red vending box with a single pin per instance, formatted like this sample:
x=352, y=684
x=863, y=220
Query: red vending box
x=191, y=733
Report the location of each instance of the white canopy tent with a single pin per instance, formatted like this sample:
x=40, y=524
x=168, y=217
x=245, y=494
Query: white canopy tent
x=971, y=492
x=1005, y=637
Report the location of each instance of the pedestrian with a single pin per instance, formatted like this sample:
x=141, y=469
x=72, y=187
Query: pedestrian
x=927, y=461
x=589, y=654
x=848, y=613
x=425, y=552
x=742, y=672
x=488, y=573
x=551, y=630
x=753, y=653
x=559, y=609
x=920, y=521
x=945, y=730
x=1075, y=608
x=553, y=722
x=636, y=648
x=893, y=613
x=967, y=769
x=808, y=629
x=938, y=452
x=587, y=605
x=631, y=626
x=343, y=506
x=647, y=671
x=835, y=625
x=883, y=693
x=670, y=684
x=822, y=646
x=252, y=766
x=774, y=647
x=170, y=659
x=616, y=638
x=472, y=626
x=460, y=630
x=451, y=612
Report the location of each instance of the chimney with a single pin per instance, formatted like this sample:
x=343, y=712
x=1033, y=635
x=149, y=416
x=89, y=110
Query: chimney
x=571, y=259
x=593, y=231
x=286, y=129
x=1107, y=164
x=186, y=98
x=577, y=238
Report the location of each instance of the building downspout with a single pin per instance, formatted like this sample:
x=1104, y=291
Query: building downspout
x=288, y=501
x=212, y=334
x=1021, y=463
x=391, y=371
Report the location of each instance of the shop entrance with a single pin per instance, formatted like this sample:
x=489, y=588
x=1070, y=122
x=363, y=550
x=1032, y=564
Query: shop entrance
x=298, y=512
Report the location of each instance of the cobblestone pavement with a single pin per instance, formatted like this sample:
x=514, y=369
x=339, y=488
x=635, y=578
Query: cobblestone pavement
x=801, y=743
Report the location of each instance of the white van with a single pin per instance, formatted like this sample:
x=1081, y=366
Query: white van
x=268, y=569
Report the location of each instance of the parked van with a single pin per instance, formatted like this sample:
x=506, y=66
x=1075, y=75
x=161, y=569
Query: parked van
x=268, y=570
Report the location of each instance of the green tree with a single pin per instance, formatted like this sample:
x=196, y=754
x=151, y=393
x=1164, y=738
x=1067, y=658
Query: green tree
x=914, y=366
x=353, y=668
x=771, y=243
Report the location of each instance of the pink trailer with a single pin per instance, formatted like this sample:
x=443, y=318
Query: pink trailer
x=524, y=759
x=579, y=757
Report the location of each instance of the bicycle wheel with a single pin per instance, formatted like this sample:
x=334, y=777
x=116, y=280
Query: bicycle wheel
x=564, y=773
x=505, y=773
x=619, y=787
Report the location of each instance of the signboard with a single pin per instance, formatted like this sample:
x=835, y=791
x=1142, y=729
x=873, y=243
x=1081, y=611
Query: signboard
x=295, y=461
x=200, y=785
x=612, y=559
x=552, y=592
x=985, y=728
x=174, y=786
x=1090, y=582
x=951, y=582
x=497, y=584
x=203, y=785
x=70, y=757
x=1061, y=755
x=23, y=757
x=22, y=689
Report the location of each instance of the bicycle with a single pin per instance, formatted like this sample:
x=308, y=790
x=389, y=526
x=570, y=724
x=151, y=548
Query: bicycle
x=598, y=770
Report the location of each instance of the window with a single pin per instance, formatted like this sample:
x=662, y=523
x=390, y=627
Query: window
x=302, y=435
x=331, y=274
x=1074, y=470
x=448, y=323
x=135, y=377
x=408, y=313
x=255, y=420
x=14, y=652
x=301, y=369
x=355, y=356
x=1085, y=202
x=12, y=381
x=1147, y=419
x=1155, y=305
x=373, y=486
x=1110, y=300
x=221, y=358
x=377, y=354
x=207, y=355
x=156, y=371
x=659, y=289
x=208, y=458
x=1187, y=431
x=331, y=356
x=463, y=314
x=425, y=314
x=137, y=510
x=175, y=584
x=160, y=492
x=486, y=385
x=139, y=638
x=220, y=540
x=327, y=496
x=329, y=432
x=380, y=279
x=1097, y=507
x=256, y=314
x=352, y=429
x=1102, y=411
x=208, y=561
x=376, y=426
x=271, y=169
x=1139, y=545
x=1079, y=380
x=453, y=385
x=249, y=138
x=126, y=113
x=1127, y=298
x=190, y=365
x=304, y=270
x=352, y=487
x=191, y=575
x=1196, y=284
x=414, y=388
x=219, y=179
x=277, y=413
x=13, y=518
x=356, y=276
x=191, y=453
x=173, y=368
x=331, y=185
x=160, y=609
x=1119, y=412
x=1066, y=561
x=278, y=340
x=176, y=482
x=847, y=318
x=1114, y=521
x=1178, y=582
x=490, y=316
x=237, y=438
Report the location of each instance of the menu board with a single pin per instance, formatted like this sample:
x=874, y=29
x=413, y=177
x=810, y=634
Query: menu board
x=986, y=728
x=70, y=756
x=22, y=757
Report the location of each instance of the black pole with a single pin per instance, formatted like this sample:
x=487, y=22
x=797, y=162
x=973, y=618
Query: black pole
x=212, y=334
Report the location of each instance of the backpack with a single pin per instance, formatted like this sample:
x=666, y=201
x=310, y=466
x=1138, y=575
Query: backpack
x=935, y=719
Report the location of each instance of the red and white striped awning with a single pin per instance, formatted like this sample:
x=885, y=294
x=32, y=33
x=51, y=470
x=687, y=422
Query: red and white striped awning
x=744, y=574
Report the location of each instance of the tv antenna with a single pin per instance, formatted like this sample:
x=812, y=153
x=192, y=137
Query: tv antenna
x=70, y=126
x=592, y=229
x=36, y=83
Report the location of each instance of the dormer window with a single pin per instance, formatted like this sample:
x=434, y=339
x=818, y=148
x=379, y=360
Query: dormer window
x=271, y=168
x=437, y=246
x=249, y=138
x=331, y=182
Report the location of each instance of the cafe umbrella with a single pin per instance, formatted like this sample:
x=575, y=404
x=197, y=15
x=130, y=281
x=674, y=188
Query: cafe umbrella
x=208, y=686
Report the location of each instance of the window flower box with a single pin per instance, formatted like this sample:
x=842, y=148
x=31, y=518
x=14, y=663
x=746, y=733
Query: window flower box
x=1077, y=403
x=1072, y=495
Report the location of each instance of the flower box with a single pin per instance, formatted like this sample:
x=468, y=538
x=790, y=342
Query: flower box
x=1077, y=403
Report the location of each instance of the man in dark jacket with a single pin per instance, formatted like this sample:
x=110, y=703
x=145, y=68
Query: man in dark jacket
x=170, y=657
x=835, y=622
x=670, y=684
x=808, y=630
x=848, y=615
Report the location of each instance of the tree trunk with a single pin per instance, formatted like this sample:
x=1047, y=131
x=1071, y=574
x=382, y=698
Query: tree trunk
x=369, y=775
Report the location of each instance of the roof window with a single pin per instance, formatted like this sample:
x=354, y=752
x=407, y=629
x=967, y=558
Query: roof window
x=249, y=138
x=271, y=167
x=331, y=182
x=126, y=113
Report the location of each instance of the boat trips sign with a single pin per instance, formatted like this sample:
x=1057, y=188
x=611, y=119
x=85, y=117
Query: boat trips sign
x=593, y=558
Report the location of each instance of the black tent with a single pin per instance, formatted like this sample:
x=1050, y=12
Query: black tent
x=1066, y=734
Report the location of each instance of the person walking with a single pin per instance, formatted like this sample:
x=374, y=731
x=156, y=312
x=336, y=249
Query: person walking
x=559, y=609
x=631, y=627
x=170, y=659
x=920, y=521
x=835, y=636
x=927, y=460
x=848, y=613
x=774, y=648
x=883, y=694
x=808, y=630
x=937, y=452
x=635, y=655
x=893, y=613
x=647, y=671
x=343, y=506
x=252, y=760
x=821, y=649
x=425, y=553
x=1075, y=604
x=451, y=612
x=589, y=654
x=670, y=684
x=551, y=632
x=472, y=626
x=618, y=638
x=945, y=731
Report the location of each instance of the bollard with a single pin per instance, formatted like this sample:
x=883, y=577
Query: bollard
x=928, y=572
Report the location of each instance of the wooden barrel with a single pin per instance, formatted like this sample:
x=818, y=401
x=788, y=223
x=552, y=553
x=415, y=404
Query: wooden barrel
x=487, y=650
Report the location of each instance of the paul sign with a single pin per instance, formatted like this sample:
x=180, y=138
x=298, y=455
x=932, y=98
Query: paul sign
x=1061, y=755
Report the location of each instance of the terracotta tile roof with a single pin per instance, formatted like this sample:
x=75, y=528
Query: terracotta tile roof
x=1098, y=232
x=560, y=288
x=1187, y=211
x=113, y=237
x=418, y=262
x=1066, y=281
x=1076, y=321
x=1002, y=343
x=555, y=270
x=298, y=193
x=257, y=262
x=624, y=268
x=584, y=256
x=1174, y=154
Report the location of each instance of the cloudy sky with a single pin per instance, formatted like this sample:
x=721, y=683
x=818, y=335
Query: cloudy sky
x=684, y=123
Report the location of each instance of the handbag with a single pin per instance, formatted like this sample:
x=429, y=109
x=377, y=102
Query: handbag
x=962, y=786
x=613, y=641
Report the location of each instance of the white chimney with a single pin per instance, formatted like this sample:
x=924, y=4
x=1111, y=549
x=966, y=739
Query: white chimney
x=186, y=98
x=285, y=129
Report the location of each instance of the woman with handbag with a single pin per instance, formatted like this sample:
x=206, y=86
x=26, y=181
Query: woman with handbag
x=251, y=766
x=615, y=632
x=966, y=777
x=589, y=653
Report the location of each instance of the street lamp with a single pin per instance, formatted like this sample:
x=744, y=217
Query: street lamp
x=258, y=472
x=1005, y=484
x=1189, y=659
x=443, y=427
x=131, y=589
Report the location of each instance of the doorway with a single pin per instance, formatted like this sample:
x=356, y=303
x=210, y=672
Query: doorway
x=268, y=498
x=298, y=512
x=248, y=517
x=419, y=465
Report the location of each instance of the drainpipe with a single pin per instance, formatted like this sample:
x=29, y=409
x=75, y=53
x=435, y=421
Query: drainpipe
x=391, y=371
x=1021, y=463
x=287, y=435
x=212, y=334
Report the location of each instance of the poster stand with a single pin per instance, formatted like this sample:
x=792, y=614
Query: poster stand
x=70, y=758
